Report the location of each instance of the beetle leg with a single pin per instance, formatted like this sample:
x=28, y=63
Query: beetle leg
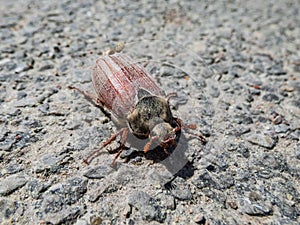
x=88, y=95
x=95, y=101
x=192, y=127
x=166, y=143
x=147, y=146
x=123, y=131
x=154, y=138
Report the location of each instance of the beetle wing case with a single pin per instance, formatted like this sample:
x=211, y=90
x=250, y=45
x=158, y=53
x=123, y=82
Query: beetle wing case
x=117, y=80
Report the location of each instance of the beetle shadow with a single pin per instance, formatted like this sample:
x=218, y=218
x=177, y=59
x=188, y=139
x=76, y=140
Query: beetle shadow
x=157, y=154
x=174, y=158
x=176, y=161
x=186, y=172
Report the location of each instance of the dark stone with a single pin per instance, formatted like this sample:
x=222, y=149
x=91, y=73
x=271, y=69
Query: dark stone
x=10, y=210
x=49, y=163
x=21, y=95
x=274, y=161
x=255, y=208
x=98, y=172
x=147, y=206
x=36, y=188
x=21, y=67
x=276, y=69
x=44, y=108
x=12, y=168
x=297, y=151
x=203, y=180
x=281, y=128
x=12, y=183
x=262, y=140
x=270, y=97
x=57, y=204
x=46, y=67
x=180, y=190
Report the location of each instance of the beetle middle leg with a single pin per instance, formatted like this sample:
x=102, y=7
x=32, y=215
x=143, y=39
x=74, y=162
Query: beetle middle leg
x=124, y=132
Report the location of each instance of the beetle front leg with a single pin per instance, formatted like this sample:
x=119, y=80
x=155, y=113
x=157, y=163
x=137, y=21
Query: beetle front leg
x=192, y=127
x=148, y=145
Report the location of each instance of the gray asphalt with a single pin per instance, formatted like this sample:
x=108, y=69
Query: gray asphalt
x=235, y=66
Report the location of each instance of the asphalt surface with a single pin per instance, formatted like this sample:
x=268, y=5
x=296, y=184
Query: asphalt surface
x=235, y=66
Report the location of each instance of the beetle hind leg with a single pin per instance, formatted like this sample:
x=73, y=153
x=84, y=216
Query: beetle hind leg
x=88, y=95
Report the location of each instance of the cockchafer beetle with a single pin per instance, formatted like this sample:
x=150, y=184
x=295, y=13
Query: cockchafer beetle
x=125, y=89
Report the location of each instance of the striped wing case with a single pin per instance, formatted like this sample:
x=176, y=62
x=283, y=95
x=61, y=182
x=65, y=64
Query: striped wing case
x=117, y=79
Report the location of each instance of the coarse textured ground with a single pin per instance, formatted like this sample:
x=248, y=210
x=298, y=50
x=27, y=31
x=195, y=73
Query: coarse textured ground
x=242, y=61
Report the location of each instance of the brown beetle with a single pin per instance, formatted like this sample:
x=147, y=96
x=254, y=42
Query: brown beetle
x=125, y=88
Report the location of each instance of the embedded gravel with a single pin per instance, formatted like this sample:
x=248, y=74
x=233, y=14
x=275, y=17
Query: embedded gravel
x=235, y=66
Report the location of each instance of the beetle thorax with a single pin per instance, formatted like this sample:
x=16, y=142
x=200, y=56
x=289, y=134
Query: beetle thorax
x=149, y=111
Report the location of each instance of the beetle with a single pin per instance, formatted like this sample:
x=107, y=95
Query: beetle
x=136, y=101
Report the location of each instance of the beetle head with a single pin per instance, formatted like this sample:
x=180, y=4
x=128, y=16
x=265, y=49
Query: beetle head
x=149, y=111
